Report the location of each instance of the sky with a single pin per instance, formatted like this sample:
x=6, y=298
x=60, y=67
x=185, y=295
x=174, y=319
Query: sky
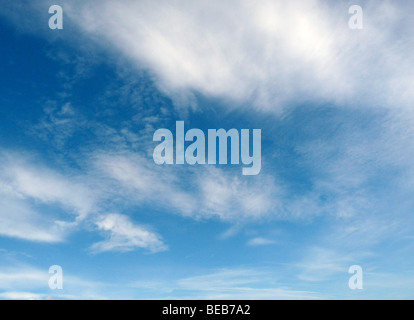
x=79, y=187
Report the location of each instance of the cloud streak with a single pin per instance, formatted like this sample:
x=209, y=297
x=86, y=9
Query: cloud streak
x=270, y=53
x=124, y=236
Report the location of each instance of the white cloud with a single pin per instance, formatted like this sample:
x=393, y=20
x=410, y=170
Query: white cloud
x=59, y=123
x=18, y=220
x=26, y=180
x=224, y=284
x=202, y=193
x=12, y=295
x=128, y=179
x=22, y=278
x=25, y=282
x=235, y=284
x=234, y=199
x=320, y=264
x=143, y=181
x=270, y=52
x=125, y=236
x=260, y=242
x=25, y=188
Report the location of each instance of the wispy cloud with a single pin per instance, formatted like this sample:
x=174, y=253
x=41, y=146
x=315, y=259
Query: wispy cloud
x=321, y=264
x=59, y=123
x=13, y=295
x=19, y=220
x=26, y=282
x=124, y=236
x=230, y=284
x=47, y=186
x=255, y=242
x=280, y=52
x=24, y=186
x=202, y=193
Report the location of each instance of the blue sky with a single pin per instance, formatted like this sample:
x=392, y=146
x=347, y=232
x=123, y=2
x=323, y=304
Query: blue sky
x=79, y=187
